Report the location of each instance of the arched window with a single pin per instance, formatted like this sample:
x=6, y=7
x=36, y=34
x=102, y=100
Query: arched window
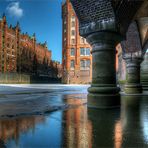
x=82, y=41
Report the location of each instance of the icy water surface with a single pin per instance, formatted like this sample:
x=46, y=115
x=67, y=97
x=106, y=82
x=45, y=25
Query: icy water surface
x=80, y=127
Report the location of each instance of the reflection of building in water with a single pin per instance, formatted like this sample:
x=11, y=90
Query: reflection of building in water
x=78, y=128
x=11, y=129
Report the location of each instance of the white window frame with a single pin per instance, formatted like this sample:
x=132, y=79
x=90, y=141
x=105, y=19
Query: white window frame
x=85, y=51
x=85, y=65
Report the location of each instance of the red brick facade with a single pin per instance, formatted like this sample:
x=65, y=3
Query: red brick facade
x=21, y=53
x=76, y=57
x=8, y=47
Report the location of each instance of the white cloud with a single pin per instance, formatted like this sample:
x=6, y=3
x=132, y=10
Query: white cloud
x=14, y=9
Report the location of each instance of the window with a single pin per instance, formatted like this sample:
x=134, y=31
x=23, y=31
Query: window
x=73, y=41
x=82, y=63
x=12, y=46
x=72, y=52
x=73, y=23
x=65, y=43
x=73, y=32
x=87, y=51
x=8, y=45
x=82, y=41
x=8, y=39
x=8, y=58
x=85, y=64
x=64, y=57
x=84, y=51
x=13, y=53
x=72, y=64
x=73, y=18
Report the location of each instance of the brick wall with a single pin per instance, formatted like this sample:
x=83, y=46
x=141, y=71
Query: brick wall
x=97, y=10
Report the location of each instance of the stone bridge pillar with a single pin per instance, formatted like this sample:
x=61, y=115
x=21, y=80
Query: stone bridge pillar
x=143, y=30
x=133, y=85
x=133, y=56
x=144, y=73
x=98, y=25
x=103, y=91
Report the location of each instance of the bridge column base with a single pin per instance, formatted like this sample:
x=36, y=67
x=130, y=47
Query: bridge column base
x=103, y=92
x=103, y=101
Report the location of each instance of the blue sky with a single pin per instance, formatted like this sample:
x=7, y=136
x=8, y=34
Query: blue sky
x=40, y=16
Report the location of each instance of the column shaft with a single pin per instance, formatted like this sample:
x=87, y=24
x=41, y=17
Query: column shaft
x=133, y=76
x=103, y=92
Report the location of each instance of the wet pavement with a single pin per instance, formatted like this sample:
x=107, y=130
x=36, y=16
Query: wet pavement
x=76, y=126
x=37, y=99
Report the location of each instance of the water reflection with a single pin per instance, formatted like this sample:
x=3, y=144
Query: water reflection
x=2, y=144
x=132, y=123
x=105, y=127
x=144, y=119
x=117, y=128
x=118, y=135
x=10, y=129
x=81, y=127
x=78, y=129
x=38, y=131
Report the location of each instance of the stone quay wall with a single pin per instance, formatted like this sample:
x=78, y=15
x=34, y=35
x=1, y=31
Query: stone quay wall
x=14, y=78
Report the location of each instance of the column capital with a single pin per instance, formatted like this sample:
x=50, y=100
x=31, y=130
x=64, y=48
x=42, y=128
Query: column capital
x=98, y=26
x=104, y=37
x=135, y=60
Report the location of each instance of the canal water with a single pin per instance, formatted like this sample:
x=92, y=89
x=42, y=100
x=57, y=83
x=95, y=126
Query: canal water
x=80, y=127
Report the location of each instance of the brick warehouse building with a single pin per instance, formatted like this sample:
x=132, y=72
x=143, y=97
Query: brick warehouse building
x=22, y=54
x=76, y=57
